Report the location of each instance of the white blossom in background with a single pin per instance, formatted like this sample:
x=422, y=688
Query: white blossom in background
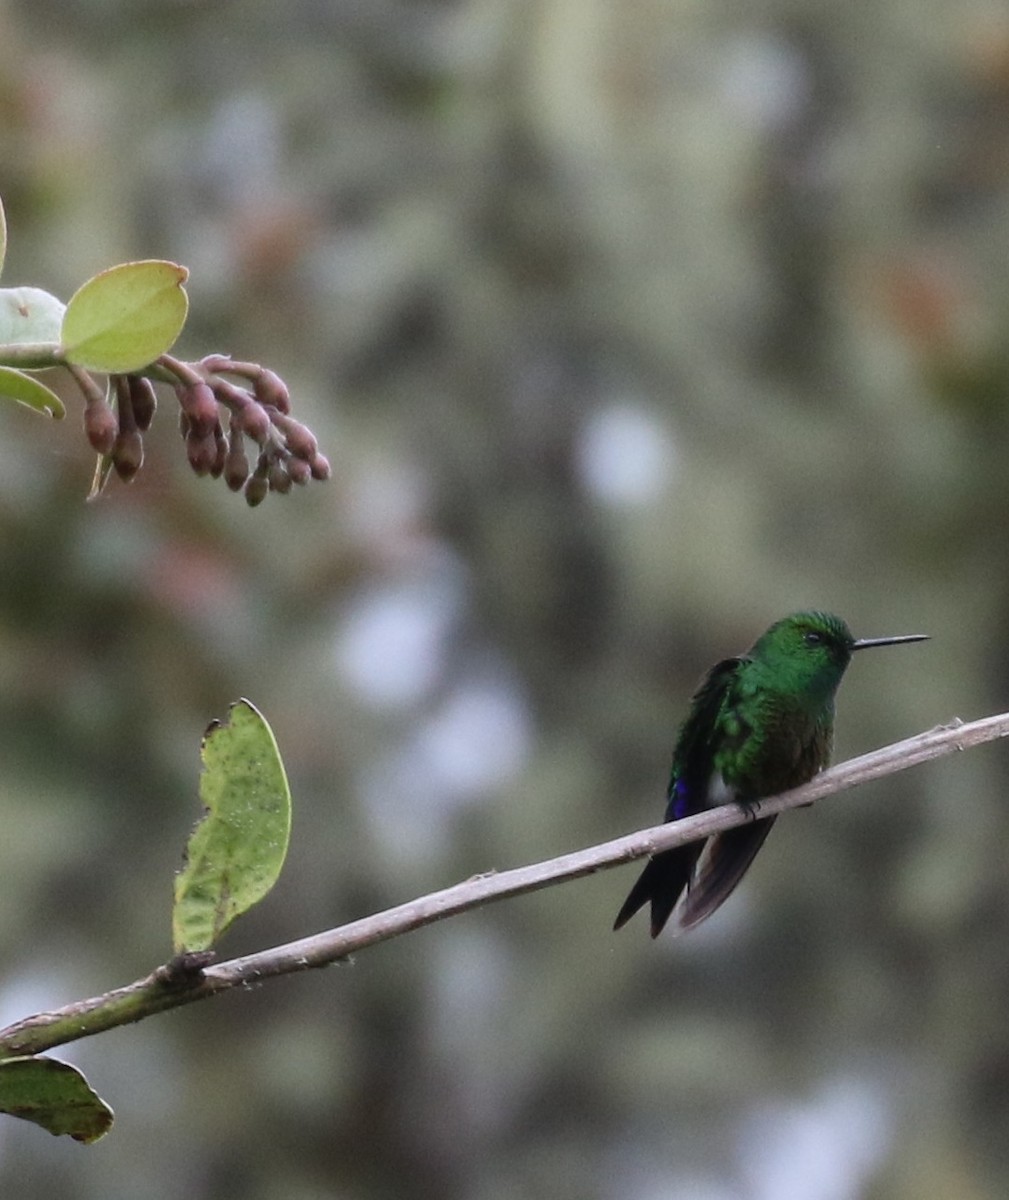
x=625, y=455
x=391, y=643
x=828, y=1148
x=766, y=81
x=478, y=739
x=473, y=742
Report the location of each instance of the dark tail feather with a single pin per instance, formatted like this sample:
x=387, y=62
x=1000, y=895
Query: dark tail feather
x=725, y=861
x=662, y=882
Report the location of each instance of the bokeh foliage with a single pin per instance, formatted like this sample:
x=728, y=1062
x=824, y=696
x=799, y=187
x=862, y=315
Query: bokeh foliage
x=627, y=328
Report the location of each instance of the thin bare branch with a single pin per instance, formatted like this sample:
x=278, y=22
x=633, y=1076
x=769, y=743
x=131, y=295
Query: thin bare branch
x=169, y=987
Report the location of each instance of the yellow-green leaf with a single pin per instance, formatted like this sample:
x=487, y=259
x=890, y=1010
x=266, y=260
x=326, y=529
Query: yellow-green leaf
x=16, y=385
x=55, y=1095
x=125, y=317
x=236, y=851
x=28, y=314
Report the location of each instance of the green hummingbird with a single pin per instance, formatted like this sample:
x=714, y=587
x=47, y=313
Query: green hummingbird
x=758, y=724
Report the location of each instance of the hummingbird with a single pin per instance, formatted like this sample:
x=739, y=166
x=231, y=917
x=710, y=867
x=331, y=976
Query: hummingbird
x=759, y=724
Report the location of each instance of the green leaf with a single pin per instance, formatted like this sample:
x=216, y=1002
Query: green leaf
x=16, y=385
x=126, y=317
x=55, y=1095
x=28, y=314
x=236, y=851
x=3, y=234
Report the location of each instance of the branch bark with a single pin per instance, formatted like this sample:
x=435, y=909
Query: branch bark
x=176, y=984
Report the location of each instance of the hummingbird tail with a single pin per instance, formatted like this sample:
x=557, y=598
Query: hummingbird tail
x=662, y=882
x=723, y=864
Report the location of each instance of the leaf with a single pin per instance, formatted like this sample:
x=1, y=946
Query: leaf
x=55, y=1095
x=236, y=851
x=28, y=314
x=16, y=385
x=125, y=317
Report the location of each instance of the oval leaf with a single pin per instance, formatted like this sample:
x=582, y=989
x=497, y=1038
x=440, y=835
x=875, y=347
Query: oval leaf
x=16, y=385
x=236, y=851
x=55, y=1095
x=28, y=314
x=124, y=318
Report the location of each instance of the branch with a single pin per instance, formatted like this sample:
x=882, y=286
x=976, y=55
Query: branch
x=183, y=982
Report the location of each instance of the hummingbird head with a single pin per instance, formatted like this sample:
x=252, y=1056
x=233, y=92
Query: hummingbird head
x=810, y=651
x=809, y=643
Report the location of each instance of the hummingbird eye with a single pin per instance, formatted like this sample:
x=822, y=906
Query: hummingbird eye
x=812, y=638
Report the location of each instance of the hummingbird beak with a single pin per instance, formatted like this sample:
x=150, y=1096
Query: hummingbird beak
x=865, y=643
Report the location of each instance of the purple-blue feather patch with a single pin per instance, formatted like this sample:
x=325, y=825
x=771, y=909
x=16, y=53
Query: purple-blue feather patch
x=681, y=800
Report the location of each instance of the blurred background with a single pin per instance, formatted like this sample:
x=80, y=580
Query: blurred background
x=628, y=328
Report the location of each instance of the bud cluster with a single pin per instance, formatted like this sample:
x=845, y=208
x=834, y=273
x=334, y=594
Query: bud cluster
x=221, y=423
x=116, y=433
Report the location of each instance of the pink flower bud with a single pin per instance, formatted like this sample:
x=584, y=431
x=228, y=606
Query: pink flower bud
x=278, y=478
x=255, y=421
x=200, y=406
x=320, y=467
x=101, y=426
x=271, y=389
x=299, y=471
x=201, y=452
x=128, y=454
x=221, y=452
x=256, y=490
x=236, y=464
x=300, y=440
x=145, y=401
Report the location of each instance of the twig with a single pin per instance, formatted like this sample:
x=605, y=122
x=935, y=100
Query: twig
x=165, y=988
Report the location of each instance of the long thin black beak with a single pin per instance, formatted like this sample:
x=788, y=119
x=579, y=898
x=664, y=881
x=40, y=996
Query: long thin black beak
x=865, y=643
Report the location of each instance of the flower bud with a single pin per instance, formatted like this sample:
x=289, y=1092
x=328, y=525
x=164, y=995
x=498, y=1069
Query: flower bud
x=256, y=490
x=128, y=454
x=221, y=452
x=278, y=478
x=271, y=389
x=299, y=471
x=300, y=440
x=101, y=426
x=200, y=406
x=255, y=421
x=144, y=400
x=201, y=450
x=320, y=467
x=236, y=463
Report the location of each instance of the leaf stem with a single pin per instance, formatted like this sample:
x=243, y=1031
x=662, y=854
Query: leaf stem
x=31, y=356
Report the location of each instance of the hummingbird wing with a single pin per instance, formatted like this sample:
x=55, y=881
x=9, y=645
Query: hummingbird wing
x=667, y=875
x=797, y=752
